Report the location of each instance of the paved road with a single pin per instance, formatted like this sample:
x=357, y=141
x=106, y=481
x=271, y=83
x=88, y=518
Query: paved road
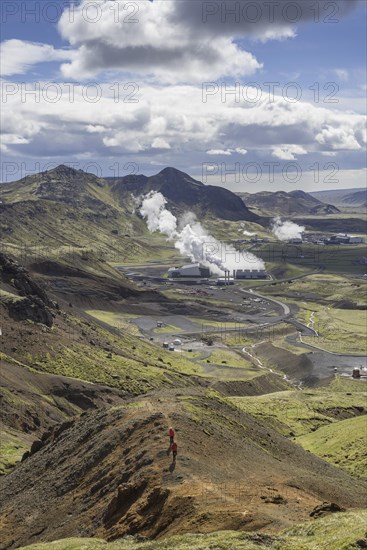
x=286, y=309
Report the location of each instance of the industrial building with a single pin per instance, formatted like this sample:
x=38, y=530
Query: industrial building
x=224, y=281
x=344, y=239
x=197, y=271
x=191, y=270
x=339, y=238
x=241, y=274
x=250, y=274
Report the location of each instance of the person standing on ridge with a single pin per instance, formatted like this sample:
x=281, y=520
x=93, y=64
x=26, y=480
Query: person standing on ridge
x=174, y=451
x=171, y=433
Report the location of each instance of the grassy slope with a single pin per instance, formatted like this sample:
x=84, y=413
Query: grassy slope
x=12, y=448
x=342, y=443
x=313, y=417
x=137, y=364
x=116, y=320
x=333, y=532
x=335, y=259
x=340, y=330
x=300, y=412
x=318, y=297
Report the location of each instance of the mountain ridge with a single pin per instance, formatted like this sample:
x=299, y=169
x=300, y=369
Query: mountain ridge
x=343, y=197
x=284, y=203
x=45, y=204
x=113, y=485
x=184, y=192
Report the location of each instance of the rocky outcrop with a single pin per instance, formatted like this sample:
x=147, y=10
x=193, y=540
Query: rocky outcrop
x=326, y=508
x=31, y=308
x=33, y=302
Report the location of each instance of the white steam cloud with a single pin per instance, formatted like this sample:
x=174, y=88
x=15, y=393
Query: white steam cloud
x=192, y=240
x=158, y=218
x=286, y=230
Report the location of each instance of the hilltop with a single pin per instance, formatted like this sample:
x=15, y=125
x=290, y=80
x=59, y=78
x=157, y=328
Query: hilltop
x=343, y=197
x=114, y=476
x=185, y=193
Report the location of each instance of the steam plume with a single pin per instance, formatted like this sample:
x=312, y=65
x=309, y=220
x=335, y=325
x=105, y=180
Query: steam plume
x=192, y=240
x=286, y=230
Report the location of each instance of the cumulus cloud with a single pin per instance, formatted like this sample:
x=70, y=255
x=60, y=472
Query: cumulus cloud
x=216, y=152
x=342, y=138
x=18, y=56
x=178, y=41
x=175, y=119
x=156, y=45
x=288, y=152
x=226, y=152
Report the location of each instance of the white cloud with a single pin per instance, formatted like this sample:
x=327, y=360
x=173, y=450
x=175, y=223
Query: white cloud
x=342, y=74
x=183, y=126
x=217, y=152
x=226, y=152
x=153, y=47
x=95, y=129
x=160, y=143
x=185, y=41
x=340, y=138
x=18, y=56
x=288, y=152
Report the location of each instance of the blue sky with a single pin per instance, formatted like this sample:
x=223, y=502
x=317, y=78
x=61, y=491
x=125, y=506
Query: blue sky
x=162, y=64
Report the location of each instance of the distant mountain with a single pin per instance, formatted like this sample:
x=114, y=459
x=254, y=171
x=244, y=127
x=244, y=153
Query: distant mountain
x=280, y=203
x=184, y=193
x=65, y=211
x=63, y=208
x=343, y=197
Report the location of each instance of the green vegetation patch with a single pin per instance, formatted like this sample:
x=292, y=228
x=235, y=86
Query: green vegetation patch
x=12, y=448
x=341, y=443
x=333, y=532
x=296, y=413
x=166, y=329
x=119, y=321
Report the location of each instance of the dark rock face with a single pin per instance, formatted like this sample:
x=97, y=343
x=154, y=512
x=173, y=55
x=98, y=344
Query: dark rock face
x=31, y=308
x=12, y=273
x=34, y=304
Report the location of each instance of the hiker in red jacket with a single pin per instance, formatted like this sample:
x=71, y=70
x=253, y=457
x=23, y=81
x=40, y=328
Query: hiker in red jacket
x=174, y=451
x=171, y=433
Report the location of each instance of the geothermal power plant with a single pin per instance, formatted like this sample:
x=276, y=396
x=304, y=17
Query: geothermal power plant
x=197, y=271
